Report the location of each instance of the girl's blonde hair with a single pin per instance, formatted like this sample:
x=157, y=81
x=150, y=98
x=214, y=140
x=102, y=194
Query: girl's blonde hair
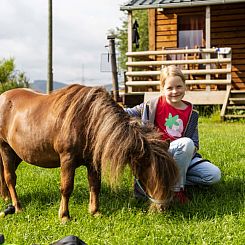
x=170, y=71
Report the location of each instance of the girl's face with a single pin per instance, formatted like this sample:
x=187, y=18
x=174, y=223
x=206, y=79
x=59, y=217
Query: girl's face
x=174, y=90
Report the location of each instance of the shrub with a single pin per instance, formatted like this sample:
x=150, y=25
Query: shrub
x=10, y=77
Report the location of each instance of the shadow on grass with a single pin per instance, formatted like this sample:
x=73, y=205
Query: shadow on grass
x=110, y=199
x=221, y=199
x=206, y=203
x=40, y=198
x=216, y=201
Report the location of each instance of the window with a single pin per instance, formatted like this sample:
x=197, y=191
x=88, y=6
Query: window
x=191, y=31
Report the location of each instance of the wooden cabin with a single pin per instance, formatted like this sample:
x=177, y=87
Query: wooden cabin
x=206, y=38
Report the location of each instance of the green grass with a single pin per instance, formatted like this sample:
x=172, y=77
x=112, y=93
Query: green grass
x=214, y=216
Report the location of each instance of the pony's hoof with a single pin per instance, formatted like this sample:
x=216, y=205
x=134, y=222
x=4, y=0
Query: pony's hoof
x=65, y=220
x=18, y=209
x=93, y=211
x=97, y=214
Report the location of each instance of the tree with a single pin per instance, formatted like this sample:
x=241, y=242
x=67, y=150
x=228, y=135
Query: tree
x=10, y=77
x=122, y=35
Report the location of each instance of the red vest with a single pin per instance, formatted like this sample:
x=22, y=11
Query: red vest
x=171, y=121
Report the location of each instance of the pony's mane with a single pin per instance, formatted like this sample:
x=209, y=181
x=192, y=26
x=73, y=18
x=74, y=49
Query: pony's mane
x=66, y=98
x=113, y=138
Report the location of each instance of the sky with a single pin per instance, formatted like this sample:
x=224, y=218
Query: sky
x=80, y=29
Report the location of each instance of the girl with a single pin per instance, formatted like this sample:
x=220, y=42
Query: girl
x=177, y=120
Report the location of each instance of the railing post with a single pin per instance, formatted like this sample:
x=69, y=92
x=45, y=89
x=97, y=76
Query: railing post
x=130, y=45
x=208, y=41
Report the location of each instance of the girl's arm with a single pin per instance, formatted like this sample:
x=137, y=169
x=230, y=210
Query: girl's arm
x=192, y=129
x=135, y=111
x=195, y=138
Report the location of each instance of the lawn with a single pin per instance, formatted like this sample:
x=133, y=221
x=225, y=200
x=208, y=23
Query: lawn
x=214, y=216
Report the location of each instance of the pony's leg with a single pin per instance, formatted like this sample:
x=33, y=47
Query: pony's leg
x=4, y=191
x=10, y=163
x=67, y=185
x=94, y=179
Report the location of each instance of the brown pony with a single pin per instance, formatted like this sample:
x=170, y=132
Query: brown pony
x=79, y=125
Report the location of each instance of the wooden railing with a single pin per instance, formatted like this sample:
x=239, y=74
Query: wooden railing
x=205, y=69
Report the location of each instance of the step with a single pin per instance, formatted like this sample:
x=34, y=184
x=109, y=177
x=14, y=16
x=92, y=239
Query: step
x=237, y=91
x=236, y=107
x=237, y=99
x=234, y=116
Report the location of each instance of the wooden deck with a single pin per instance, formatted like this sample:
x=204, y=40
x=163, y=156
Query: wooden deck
x=202, y=67
x=207, y=71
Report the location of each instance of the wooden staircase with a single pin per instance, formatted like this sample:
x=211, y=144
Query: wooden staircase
x=234, y=106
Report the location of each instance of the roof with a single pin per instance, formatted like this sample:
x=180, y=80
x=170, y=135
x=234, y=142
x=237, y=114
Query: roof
x=146, y=4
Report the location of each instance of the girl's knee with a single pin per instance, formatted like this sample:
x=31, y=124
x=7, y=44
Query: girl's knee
x=182, y=151
x=188, y=145
x=203, y=172
x=216, y=175
x=213, y=177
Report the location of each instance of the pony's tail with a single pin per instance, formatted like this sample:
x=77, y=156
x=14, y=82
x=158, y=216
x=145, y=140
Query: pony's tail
x=4, y=192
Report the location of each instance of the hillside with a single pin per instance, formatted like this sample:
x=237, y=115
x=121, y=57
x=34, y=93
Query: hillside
x=40, y=85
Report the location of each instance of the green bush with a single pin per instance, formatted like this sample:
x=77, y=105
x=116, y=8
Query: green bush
x=10, y=77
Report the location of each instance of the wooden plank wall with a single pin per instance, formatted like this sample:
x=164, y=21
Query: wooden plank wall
x=227, y=30
x=166, y=25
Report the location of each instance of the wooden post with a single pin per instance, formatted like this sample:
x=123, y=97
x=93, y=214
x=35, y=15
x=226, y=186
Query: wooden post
x=50, y=48
x=152, y=31
x=112, y=53
x=152, y=28
x=130, y=46
x=208, y=41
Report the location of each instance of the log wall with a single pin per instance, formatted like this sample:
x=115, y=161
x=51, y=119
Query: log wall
x=227, y=30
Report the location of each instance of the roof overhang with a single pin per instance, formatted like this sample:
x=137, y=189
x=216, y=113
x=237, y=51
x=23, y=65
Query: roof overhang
x=132, y=5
